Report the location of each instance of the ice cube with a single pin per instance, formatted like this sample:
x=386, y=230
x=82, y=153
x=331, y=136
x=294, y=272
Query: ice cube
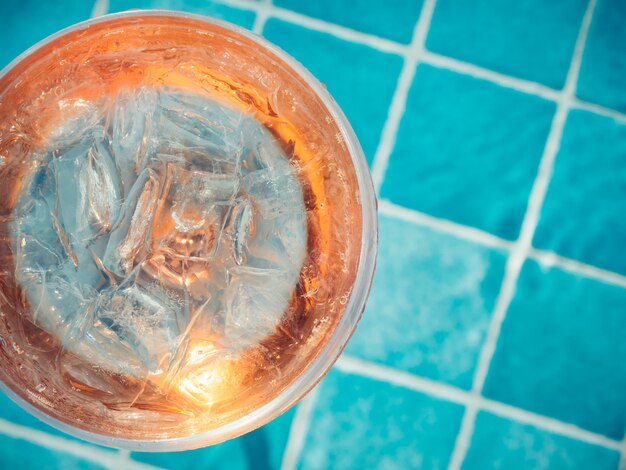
x=83, y=119
x=86, y=195
x=54, y=300
x=100, y=191
x=37, y=244
x=255, y=301
x=194, y=202
x=243, y=229
x=210, y=137
x=188, y=225
x=144, y=319
x=280, y=219
x=128, y=241
x=275, y=191
x=262, y=150
x=132, y=134
x=43, y=241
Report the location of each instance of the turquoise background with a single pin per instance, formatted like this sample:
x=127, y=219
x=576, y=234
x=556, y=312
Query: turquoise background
x=494, y=337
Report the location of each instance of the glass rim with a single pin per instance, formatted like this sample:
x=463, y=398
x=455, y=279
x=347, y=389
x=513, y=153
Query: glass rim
x=331, y=351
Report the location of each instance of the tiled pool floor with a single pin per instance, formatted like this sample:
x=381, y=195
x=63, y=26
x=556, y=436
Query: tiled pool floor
x=494, y=337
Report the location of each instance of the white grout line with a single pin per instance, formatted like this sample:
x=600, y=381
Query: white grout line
x=550, y=259
x=601, y=110
x=518, y=84
x=124, y=460
x=547, y=424
x=262, y=14
x=107, y=459
x=134, y=465
x=506, y=81
x=622, y=458
x=246, y=4
x=446, y=392
x=354, y=365
x=544, y=257
x=298, y=431
x=523, y=245
x=100, y=7
x=315, y=24
x=464, y=232
x=399, y=100
x=375, y=42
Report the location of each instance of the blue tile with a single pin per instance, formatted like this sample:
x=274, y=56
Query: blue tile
x=226, y=456
x=238, y=16
x=12, y=412
x=359, y=423
x=498, y=443
x=361, y=79
x=259, y=450
x=25, y=22
x=531, y=39
x=562, y=352
x=391, y=19
x=468, y=150
x=430, y=304
x=264, y=448
x=15, y=453
x=583, y=214
x=603, y=67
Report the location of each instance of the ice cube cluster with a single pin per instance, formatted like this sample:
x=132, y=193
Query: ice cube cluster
x=152, y=216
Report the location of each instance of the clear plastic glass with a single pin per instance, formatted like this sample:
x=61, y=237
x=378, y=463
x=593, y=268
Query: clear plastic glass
x=125, y=382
